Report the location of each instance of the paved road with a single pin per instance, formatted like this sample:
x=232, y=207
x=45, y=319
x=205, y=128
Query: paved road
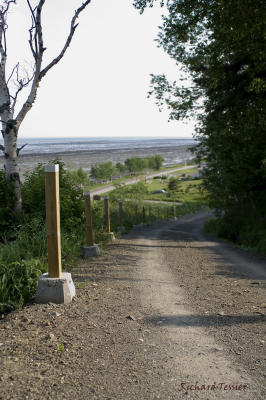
x=106, y=189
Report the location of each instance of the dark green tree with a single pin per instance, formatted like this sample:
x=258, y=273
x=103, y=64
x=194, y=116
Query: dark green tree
x=219, y=47
x=120, y=167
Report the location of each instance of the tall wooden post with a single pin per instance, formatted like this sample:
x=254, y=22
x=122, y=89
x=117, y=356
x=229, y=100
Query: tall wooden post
x=121, y=214
x=107, y=214
x=90, y=239
x=174, y=212
x=149, y=214
x=136, y=214
x=143, y=215
x=53, y=220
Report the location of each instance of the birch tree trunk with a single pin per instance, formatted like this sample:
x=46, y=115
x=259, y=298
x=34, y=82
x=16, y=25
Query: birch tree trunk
x=8, y=99
x=11, y=166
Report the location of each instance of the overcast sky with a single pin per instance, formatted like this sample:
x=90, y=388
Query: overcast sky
x=100, y=87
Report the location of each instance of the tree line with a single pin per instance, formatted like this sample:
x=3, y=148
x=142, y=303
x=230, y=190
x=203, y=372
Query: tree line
x=219, y=48
x=131, y=165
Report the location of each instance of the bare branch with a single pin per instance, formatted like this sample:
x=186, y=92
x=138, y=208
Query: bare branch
x=38, y=49
x=73, y=27
x=12, y=72
x=20, y=148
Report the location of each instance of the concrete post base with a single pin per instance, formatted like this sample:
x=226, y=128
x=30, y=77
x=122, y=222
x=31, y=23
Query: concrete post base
x=55, y=290
x=110, y=236
x=90, y=251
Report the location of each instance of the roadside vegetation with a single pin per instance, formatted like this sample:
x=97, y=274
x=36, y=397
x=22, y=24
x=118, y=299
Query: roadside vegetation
x=220, y=48
x=23, y=246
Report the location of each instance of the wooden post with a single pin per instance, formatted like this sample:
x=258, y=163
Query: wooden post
x=121, y=213
x=107, y=214
x=53, y=220
x=149, y=214
x=90, y=239
x=143, y=215
x=158, y=213
x=136, y=214
x=167, y=212
x=174, y=212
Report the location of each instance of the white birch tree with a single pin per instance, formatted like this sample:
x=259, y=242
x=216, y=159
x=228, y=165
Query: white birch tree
x=11, y=119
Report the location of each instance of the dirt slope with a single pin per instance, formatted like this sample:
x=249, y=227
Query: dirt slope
x=164, y=313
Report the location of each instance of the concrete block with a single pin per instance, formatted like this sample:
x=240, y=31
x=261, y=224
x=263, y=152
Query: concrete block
x=91, y=251
x=55, y=290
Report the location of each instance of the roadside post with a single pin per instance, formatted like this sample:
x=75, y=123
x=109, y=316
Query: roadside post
x=136, y=214
x=55, y=286
x=120, y=212
x=174, y=212
x=143, y=215
x=150, y=221
x=90, y=249
x=158, y=213
x=107, y=219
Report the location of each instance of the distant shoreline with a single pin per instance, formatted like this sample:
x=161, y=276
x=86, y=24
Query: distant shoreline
x=86, y=158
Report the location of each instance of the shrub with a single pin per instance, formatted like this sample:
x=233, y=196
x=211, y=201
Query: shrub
x=173, y=184
x=71, y=198
x=6, y=207
x=18, y=282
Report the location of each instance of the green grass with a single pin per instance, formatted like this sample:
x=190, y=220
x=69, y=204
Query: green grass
x=127, y=177
x=188, y=192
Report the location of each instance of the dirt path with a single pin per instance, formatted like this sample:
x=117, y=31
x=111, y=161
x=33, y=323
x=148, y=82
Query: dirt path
x=164, y=313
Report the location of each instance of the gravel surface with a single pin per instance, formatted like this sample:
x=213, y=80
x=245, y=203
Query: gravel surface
x=164, y=313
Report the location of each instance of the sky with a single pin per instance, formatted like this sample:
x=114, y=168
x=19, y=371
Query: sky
x=99, y=89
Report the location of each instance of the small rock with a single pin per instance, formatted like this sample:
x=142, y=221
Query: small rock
x=131, y=317
x=51, y=336
x=218, y=349
x=1, y=344
x=142, y=340
x=55, y=314
x=221, y=313
x=263, y=305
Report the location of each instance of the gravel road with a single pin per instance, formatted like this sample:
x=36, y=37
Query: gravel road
x=164, y=313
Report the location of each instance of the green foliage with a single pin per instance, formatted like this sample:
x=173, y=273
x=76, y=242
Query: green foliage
x=120, y=167
x=138, y=164
x=173, y=184
x=18, y=281
x=102, y=171
x=220, y=47
x=80, y=177
x=6, y=206
x=135, y=191
x=71, y=198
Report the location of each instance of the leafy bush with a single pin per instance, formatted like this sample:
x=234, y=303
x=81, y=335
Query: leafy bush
x=18, y=282
x=71, y=198
x=6, y=206
x=173, y=184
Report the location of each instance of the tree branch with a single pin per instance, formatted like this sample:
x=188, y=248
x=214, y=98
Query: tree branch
x=73, y=27
x=20, y=148
x=37, y=50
